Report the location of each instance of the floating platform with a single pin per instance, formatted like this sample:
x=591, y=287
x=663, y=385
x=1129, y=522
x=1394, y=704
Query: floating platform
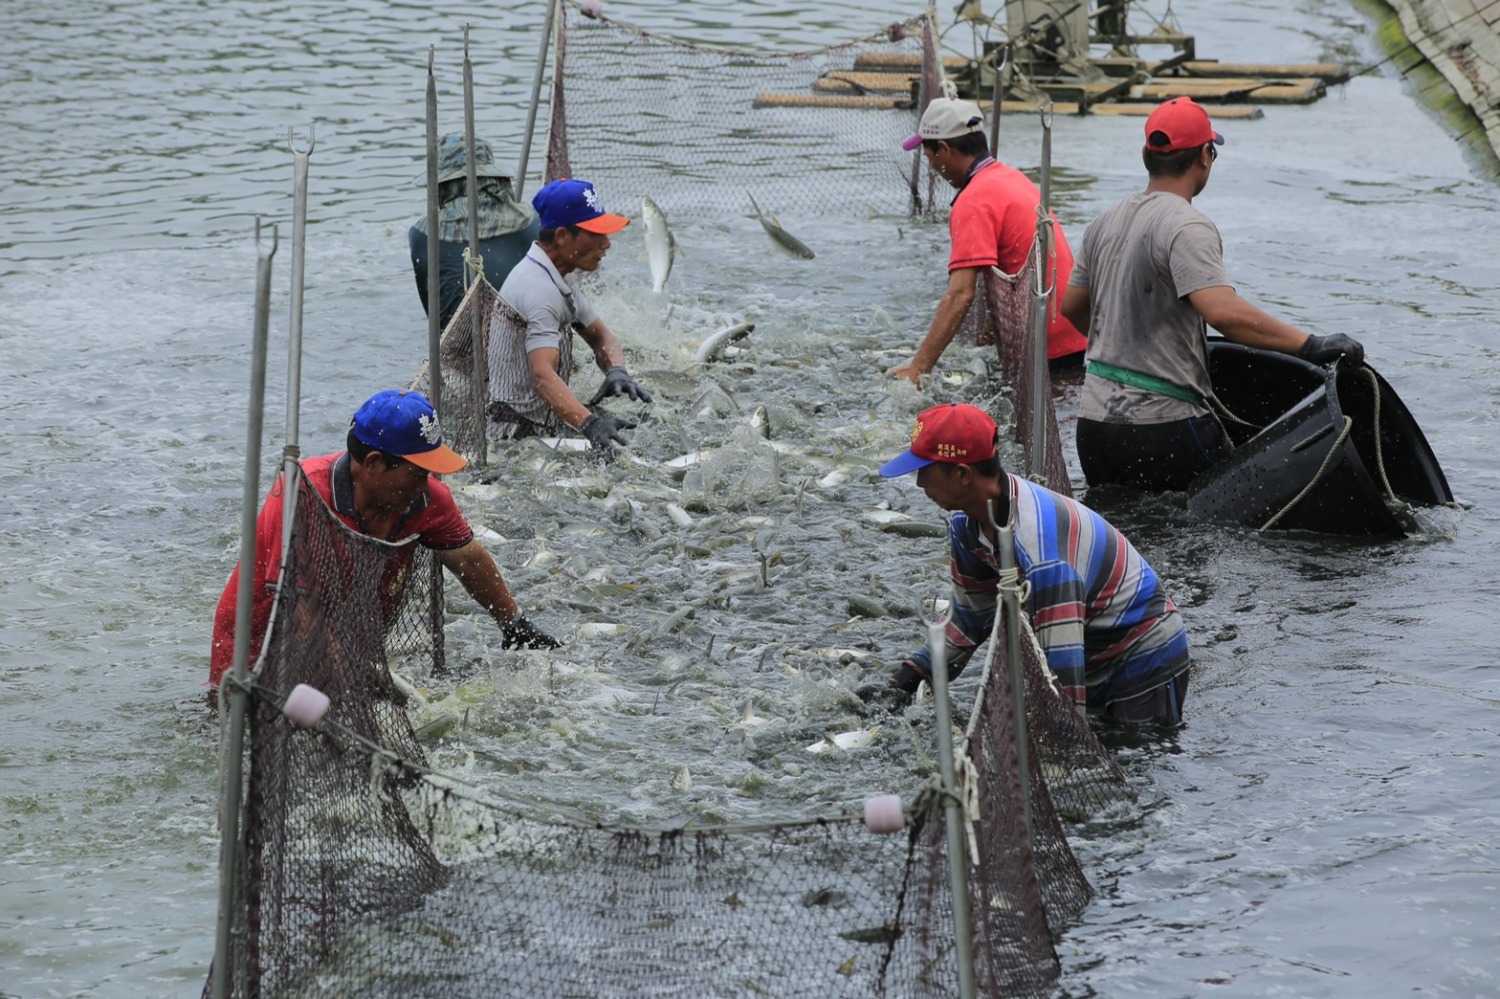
x=885, y=80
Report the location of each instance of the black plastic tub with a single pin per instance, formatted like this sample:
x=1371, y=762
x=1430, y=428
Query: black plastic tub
x=1312, y=458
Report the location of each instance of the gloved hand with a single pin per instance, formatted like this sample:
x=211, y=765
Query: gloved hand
x=1327, y=349
x=602, y=430
x=617, y=381
x=896, y=692
x=522, y=634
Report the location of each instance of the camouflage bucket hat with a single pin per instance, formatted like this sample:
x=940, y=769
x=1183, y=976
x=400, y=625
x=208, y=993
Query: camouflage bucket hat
x=452, y=163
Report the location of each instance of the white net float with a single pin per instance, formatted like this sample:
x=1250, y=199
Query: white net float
x=305, y=705
x=883, y=814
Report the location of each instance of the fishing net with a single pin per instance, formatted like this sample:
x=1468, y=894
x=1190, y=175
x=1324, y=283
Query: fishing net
x=703, y=128
x=465, y=372
x=1008, y=312
x=360, y=871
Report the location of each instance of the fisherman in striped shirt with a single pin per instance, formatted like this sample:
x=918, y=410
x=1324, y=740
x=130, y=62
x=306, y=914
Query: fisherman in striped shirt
x=1111, y=634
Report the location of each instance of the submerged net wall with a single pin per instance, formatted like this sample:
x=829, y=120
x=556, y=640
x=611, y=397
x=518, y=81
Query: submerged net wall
x=361, y=872
x=465, y=373
x=700, y=129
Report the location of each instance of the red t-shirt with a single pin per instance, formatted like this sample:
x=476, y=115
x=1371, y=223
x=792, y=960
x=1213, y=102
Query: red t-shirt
x=434, y=518
x=993, y=224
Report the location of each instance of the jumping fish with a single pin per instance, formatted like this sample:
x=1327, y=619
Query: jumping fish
x=847, y=741
x=661, y=247
x=780, y=238
x=714, y=345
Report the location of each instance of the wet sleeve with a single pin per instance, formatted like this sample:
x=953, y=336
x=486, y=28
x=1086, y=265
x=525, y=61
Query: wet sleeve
x=1056, y=608
x=1197, y=258
x=971, y=612
x=443, y=525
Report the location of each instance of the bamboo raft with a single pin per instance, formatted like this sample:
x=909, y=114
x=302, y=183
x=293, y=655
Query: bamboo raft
x=1120, y=85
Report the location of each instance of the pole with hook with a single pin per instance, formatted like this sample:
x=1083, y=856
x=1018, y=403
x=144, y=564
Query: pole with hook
x=232, y=750
x=536, y=95
x=1045, y=290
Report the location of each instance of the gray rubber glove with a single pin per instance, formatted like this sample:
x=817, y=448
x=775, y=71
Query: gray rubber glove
x=617, y=381
x=1327, y=349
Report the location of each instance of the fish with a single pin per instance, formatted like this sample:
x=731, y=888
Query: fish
x=716, y=341
x=760, y=422
x=661, y=246
x=847, y=741
x=780, y=238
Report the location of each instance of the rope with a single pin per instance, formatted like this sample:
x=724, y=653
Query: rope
x=968, y=797
x=1318, y=477
x=1379, y=454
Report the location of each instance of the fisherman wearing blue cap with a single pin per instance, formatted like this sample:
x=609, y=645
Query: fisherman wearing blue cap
x=383, y=486
x=531, y=335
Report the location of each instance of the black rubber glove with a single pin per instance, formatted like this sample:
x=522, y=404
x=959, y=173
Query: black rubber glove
x=522, y=634
x=897, y=690
x=1327, y=349
x=617, y=381
x=602, y=430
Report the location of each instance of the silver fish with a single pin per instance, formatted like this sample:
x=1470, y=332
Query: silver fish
x=718, y=340
x=780, y=238
x=661, y=246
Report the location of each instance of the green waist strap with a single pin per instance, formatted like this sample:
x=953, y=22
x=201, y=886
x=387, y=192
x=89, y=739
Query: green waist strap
x=1149, y=383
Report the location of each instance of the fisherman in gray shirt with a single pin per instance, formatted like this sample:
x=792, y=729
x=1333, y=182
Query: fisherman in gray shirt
x=1148, y=276
x=531, y=333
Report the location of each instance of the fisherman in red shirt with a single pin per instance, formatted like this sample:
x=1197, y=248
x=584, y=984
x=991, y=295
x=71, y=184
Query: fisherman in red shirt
x=992, y=224
x=382, y=486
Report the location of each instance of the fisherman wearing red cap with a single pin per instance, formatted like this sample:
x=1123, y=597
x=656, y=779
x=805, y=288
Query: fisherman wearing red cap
x=1149, y=275
x=1111, y=634
x=382, y=486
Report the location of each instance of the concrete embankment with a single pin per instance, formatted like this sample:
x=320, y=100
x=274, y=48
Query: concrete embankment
x=1461, y=41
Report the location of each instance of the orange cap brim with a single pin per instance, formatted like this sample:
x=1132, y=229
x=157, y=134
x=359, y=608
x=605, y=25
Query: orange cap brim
x=441, y=459
x=605, y=224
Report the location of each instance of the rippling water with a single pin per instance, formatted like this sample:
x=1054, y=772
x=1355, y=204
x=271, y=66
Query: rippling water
x=1324, y=826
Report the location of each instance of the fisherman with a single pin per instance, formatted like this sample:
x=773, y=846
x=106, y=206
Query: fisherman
x=1110, y=632
x=505, y=226
x=384, y=486
x=531, y=334
x=1150, y=273
x=992, y=224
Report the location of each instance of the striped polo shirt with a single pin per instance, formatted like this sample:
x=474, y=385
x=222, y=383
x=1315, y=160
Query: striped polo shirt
x=1108, y=628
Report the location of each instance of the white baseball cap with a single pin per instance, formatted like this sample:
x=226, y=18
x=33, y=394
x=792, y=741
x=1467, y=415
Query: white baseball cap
x=946, y=118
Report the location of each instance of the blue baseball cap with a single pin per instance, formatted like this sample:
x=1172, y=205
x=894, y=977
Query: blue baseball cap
x=575, y=202
x=405, y=424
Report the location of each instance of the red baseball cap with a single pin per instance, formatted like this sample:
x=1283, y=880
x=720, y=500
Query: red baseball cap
x=955, y=433
x=1179, y=124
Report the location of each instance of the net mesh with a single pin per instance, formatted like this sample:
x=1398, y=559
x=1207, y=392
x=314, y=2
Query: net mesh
x=465, y=373
x=360, y=871
x=639, y=112
x=1007, y=314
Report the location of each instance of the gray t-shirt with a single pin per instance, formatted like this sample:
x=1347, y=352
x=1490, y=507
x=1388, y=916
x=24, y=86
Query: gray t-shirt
x=1140, y=260
x=538, y=308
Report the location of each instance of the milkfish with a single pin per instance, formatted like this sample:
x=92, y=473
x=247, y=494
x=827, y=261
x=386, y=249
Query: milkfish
x=661, y=246
x=714, y=345
x=780, y=238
